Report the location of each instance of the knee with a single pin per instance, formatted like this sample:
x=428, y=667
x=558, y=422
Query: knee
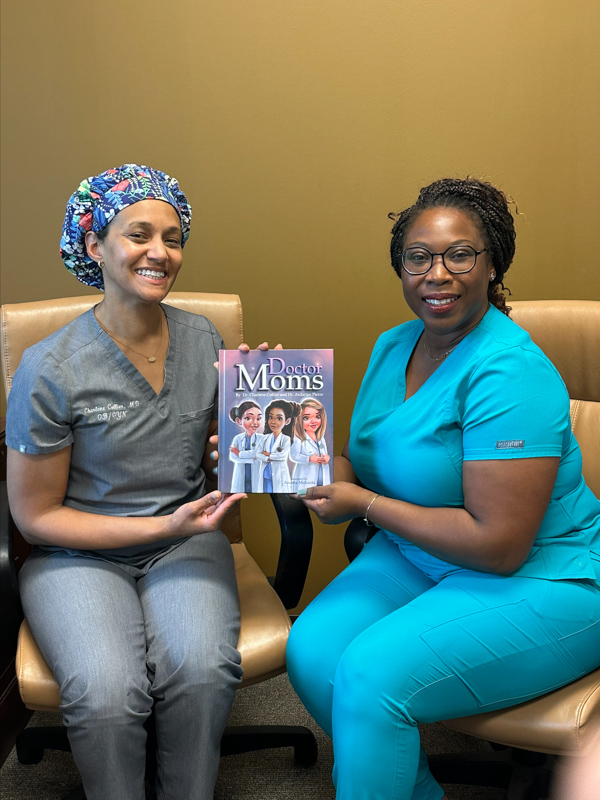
x=304, y=656
x=357, y=672
x=202, y=673
x=105, y=696
x=366, y=684
x=296, y=646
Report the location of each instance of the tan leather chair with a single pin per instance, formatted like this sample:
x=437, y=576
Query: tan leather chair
x=567, y=721
x=265, y=621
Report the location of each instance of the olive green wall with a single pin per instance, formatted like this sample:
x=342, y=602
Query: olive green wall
x=295, y=127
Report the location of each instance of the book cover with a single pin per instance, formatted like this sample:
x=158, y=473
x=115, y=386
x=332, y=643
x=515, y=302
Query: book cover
x=275, y=420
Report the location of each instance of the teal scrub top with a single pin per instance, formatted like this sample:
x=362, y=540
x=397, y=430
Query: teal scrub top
x=496, y=396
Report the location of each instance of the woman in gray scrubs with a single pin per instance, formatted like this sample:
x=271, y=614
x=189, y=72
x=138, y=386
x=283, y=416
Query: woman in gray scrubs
x=130, y=589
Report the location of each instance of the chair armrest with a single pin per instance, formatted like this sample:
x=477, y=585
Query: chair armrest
x=357, y=535
x=296, y=546
x=11, y=614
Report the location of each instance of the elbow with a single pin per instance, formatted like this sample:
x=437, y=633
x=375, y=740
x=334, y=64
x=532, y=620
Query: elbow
x=35, y=528
x=503, y=570
x=29, y=537
x=26, y=529
x=505, y=563
x=501, y=550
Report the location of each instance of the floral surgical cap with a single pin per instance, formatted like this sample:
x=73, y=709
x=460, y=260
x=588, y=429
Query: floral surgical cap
x=99, y=199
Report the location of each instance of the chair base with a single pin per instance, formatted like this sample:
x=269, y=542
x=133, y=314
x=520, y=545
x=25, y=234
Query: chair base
x=524, y=775
x=247, y=738
x=32, y=742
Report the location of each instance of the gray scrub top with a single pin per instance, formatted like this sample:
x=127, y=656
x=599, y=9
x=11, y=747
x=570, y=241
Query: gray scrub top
x=134, y=453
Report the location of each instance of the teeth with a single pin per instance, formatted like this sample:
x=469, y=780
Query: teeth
x=440, y=302
x=151, y=273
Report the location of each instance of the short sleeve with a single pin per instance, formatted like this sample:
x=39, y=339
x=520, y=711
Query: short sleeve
x=516, y=406
x=38, y=416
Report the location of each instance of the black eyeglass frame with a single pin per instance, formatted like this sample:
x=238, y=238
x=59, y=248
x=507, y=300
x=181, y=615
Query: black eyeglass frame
x=433, y=255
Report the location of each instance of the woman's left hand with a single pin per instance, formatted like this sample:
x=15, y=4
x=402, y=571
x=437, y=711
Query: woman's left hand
x=211, y=454
x=244, y=348
x=336, y=502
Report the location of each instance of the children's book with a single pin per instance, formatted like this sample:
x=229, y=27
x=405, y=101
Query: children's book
x=275, y=420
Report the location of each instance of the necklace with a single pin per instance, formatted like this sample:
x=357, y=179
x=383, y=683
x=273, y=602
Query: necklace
x=446, y=354
x=151, y=359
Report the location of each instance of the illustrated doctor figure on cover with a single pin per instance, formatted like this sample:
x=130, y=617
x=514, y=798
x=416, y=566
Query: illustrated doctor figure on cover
x=274, y=448
x=243, y=449
x=309, y=448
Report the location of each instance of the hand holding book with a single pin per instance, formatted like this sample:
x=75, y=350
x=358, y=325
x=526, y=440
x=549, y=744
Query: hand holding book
x=338, y=502
x=201, y=516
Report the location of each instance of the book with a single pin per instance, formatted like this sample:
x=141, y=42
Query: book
x=275, y=420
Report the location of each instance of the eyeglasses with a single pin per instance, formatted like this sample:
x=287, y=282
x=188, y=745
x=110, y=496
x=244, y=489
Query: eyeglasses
x=458, y=258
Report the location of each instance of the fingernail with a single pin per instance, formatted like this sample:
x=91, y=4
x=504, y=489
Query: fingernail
x=214, y=455
x=215, y=470
x=301, y=492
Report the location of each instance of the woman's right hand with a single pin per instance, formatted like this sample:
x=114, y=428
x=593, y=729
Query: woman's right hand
x=36, y=489
x=201, y=516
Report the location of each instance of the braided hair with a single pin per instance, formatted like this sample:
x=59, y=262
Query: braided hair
x=487, y=207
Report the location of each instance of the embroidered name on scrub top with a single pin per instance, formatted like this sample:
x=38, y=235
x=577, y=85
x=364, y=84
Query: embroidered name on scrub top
x=111, y=412
x=510, y=444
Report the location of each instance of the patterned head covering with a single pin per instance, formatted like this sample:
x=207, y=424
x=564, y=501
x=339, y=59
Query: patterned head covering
x=99, y=199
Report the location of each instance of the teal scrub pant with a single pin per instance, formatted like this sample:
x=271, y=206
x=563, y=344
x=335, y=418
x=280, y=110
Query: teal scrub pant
x=384, y=647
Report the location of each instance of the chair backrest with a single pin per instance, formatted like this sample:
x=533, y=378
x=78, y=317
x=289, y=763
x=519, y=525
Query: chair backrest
x=568, y=331
x=24, y=324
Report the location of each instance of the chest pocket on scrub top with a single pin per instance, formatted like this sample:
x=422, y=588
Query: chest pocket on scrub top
x=193, y=427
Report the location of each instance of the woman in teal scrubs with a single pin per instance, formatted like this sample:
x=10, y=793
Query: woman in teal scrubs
x=481, y=588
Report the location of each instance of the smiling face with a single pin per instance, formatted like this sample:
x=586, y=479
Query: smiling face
x=447, y=303
x=276, y=420
x=251, y=420
x=311, y=421
x=141, y=252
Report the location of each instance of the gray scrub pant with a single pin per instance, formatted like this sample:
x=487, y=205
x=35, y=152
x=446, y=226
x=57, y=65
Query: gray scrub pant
x=121, y=640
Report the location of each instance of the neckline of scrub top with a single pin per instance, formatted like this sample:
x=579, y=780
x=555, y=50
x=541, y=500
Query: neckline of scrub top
x=435, y=376
x=134, y=375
